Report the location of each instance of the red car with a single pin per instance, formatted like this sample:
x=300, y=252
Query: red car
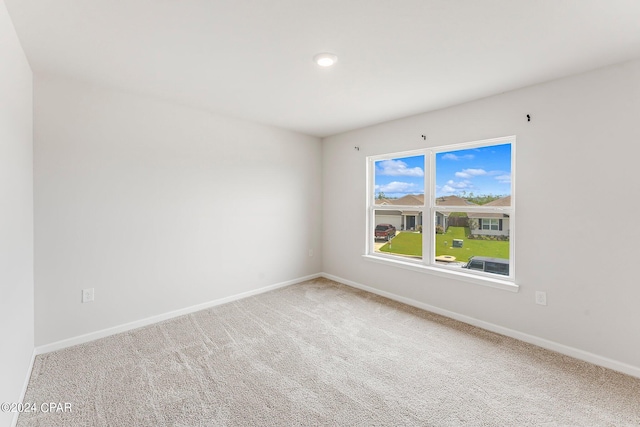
x=385, y=231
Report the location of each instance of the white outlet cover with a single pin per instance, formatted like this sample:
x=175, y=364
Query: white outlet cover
x=87, y=295
x=541, y=298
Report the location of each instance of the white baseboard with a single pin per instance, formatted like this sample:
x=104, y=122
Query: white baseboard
x=531, y=339
x=14, y=421
x=58, y=345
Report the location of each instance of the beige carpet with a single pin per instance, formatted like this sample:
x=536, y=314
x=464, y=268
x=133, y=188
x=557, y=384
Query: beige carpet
x=320, y=353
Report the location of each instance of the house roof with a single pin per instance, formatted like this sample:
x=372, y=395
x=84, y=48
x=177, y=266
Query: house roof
x=410, y=200
x=407, y=200
x=486, y=215
x=504, y=201
x=418, y=200
x=453, y=201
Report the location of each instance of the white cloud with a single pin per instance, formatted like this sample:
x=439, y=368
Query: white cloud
x=468, y=173
x=503, y=179
x=399, y=187
x=397, y=168
x=460, y=184
x=455, y=187
x=451, y=156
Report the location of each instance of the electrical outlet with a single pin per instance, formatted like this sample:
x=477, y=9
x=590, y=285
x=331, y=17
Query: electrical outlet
x=87, y=295
x=541, y=298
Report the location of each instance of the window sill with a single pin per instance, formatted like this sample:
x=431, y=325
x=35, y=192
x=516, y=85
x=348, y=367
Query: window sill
x=505, y=285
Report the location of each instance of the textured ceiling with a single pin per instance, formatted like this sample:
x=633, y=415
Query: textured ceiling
x=252, y=59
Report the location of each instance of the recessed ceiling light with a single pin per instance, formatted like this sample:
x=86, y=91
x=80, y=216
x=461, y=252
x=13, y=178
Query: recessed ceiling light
x=325, y=59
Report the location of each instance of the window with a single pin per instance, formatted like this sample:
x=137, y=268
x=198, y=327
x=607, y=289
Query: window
x=488, y=224
x=466, y=191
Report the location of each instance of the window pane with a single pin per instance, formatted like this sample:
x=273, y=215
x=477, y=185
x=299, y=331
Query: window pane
x=399, y=181
x=480, y=175
x=398, y=233
x=474, y=240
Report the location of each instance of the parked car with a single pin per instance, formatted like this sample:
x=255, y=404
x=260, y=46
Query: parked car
x=385, y=231
x=488, y=264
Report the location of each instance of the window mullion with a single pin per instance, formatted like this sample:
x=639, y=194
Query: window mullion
x=428, y=227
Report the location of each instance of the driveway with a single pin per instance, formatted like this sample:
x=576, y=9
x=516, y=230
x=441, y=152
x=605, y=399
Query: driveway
x=377, y=245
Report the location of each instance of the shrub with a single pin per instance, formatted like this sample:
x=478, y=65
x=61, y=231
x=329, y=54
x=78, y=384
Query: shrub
x=485, y=237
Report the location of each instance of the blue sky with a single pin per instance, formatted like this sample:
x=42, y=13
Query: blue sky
x=481, y=171
x=399, y=177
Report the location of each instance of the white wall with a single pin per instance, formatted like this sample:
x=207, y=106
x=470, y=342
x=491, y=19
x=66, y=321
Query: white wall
x=161, y=207
x=577, y=200
x=16, y=215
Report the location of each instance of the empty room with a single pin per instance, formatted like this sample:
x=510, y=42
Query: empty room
x=319, y=212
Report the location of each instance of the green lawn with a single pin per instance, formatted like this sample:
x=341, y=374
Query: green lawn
x=407, y=243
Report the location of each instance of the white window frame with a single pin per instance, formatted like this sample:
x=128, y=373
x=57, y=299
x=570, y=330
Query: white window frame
x=427, y=264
